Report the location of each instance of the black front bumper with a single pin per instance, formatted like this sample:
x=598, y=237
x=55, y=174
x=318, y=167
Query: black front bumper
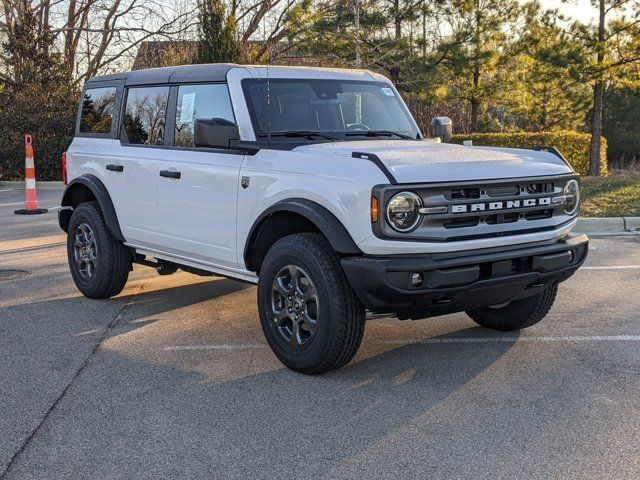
x=458, y=281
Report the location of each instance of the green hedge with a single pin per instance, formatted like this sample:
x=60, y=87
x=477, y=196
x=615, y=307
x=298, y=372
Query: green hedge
x=573, y=145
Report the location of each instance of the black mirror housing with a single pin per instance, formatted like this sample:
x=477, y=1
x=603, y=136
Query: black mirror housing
x=441, y=127
x=214, y=133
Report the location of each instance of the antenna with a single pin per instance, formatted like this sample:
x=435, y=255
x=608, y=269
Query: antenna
x=268, y=106
x=268, y=52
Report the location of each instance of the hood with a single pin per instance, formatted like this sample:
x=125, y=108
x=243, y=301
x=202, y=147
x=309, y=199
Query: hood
x=413, y=161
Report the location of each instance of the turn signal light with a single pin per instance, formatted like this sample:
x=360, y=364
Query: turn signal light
x=374, y=209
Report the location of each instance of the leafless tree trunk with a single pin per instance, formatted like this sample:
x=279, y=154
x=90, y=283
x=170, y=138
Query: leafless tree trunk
x=598, y=100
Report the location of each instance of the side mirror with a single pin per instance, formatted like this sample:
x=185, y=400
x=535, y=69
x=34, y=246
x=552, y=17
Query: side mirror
x=441, y=127
x=214, y=132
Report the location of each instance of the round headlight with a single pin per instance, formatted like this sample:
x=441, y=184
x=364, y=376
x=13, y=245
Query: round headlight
x=402, y=211
x=572, y=196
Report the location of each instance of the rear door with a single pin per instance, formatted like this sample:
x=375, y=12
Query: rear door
x=198, y=187
x=142, y=138
x=94, y=148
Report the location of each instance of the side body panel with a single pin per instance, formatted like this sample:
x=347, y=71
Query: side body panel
x=132, y=191
x=197, y=212
x=342, y=185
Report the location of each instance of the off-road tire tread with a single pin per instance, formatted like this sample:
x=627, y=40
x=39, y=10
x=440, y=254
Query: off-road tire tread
x=518, y=314
x=351, y=329
x=110, y=282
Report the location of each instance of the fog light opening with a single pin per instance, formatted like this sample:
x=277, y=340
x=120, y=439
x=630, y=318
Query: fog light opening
x=417, y=279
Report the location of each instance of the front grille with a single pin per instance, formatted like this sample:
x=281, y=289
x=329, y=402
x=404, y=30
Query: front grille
x=484, y=209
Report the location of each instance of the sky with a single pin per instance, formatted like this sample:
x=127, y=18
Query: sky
x=581, y=10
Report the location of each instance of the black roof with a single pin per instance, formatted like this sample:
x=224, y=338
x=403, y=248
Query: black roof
x=216, y=72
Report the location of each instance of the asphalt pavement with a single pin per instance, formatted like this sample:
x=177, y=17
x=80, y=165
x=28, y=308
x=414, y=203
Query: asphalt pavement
x=173, y=379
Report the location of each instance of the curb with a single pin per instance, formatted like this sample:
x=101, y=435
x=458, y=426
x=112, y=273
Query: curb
x=632, y=224
x=608, y=226
x=41, y=185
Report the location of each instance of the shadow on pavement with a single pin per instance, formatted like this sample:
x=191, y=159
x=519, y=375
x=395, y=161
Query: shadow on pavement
x=129, y=418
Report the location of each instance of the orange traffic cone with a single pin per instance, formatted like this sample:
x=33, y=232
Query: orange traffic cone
x=31, y=201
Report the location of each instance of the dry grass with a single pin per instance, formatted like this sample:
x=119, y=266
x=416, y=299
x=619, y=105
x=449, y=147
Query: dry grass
x=616, y=195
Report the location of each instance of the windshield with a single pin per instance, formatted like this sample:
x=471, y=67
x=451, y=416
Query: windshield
x=337, y=109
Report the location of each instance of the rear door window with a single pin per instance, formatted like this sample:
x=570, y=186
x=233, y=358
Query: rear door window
x=200, y=102
x=145, y=115
x=98, y=106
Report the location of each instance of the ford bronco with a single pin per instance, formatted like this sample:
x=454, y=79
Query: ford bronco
x=318, y=186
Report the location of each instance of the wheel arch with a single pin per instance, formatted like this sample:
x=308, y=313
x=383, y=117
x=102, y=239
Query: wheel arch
x=295, y=215
x=88, y=188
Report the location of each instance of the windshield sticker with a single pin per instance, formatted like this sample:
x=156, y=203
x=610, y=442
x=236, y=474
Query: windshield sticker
x=387, y=91
x=187, y=108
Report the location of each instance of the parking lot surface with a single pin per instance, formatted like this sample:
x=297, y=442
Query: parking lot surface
x=173, y=379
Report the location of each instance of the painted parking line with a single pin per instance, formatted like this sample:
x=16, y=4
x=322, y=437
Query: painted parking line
x=429, y=341
x=516, y=339
x=32, y=248
x=612, y=267
x=239, y=346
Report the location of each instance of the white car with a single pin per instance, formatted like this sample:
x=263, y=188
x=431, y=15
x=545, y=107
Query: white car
x=318, y=186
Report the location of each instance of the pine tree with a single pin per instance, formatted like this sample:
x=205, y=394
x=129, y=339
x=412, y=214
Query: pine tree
x=550, y=93
x=614, y=44
x=479, y=50
x=37, y=97
x=217, y=32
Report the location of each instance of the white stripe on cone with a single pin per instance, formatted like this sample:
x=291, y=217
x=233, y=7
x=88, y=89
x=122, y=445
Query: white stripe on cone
x=30, y=183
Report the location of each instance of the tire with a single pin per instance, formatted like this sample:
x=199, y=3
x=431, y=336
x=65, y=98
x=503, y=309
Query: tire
x=102, y=268
x=517, y=314
x=331, y=326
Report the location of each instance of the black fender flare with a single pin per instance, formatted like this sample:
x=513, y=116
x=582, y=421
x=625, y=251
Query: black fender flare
x=101, y=194
x=325, y=221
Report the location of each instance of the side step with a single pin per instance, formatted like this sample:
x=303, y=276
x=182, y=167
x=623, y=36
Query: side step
x=164, y=267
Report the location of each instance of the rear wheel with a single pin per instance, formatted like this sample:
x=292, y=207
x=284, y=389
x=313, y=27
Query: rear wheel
x=310, y=316
x=517, y=314
x=98, y=262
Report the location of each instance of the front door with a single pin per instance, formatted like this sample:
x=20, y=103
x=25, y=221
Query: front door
x=198, y=187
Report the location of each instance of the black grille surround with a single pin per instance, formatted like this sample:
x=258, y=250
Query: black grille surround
x=481, y=209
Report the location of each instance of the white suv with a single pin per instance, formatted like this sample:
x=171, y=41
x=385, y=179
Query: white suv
x=318, y=186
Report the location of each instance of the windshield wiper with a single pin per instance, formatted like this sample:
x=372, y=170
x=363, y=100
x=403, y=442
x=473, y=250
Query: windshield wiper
x=378, y=133
x=298, y=133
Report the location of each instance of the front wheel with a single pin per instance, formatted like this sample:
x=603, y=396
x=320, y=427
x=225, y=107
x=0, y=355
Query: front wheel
x=517, y=314
x=310, y=316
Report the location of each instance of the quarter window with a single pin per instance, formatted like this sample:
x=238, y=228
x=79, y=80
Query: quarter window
x=145, y=115
x=98, y=105
x=200, y=102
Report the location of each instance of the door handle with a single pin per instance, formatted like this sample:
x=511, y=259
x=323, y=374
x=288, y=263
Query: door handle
x=170, y=174
x=115, y=168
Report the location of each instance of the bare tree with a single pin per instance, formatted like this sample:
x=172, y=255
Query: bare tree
x=269, y=21
x=98, y=35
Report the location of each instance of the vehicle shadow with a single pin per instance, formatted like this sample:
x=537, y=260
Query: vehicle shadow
x=149, y=303
x=138, y=415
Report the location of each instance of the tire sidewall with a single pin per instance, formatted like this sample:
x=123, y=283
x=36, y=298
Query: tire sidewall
x=310, y=354
x=86, y=214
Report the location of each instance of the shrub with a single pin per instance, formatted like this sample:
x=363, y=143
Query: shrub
x=36, y=97
x=573, y=145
